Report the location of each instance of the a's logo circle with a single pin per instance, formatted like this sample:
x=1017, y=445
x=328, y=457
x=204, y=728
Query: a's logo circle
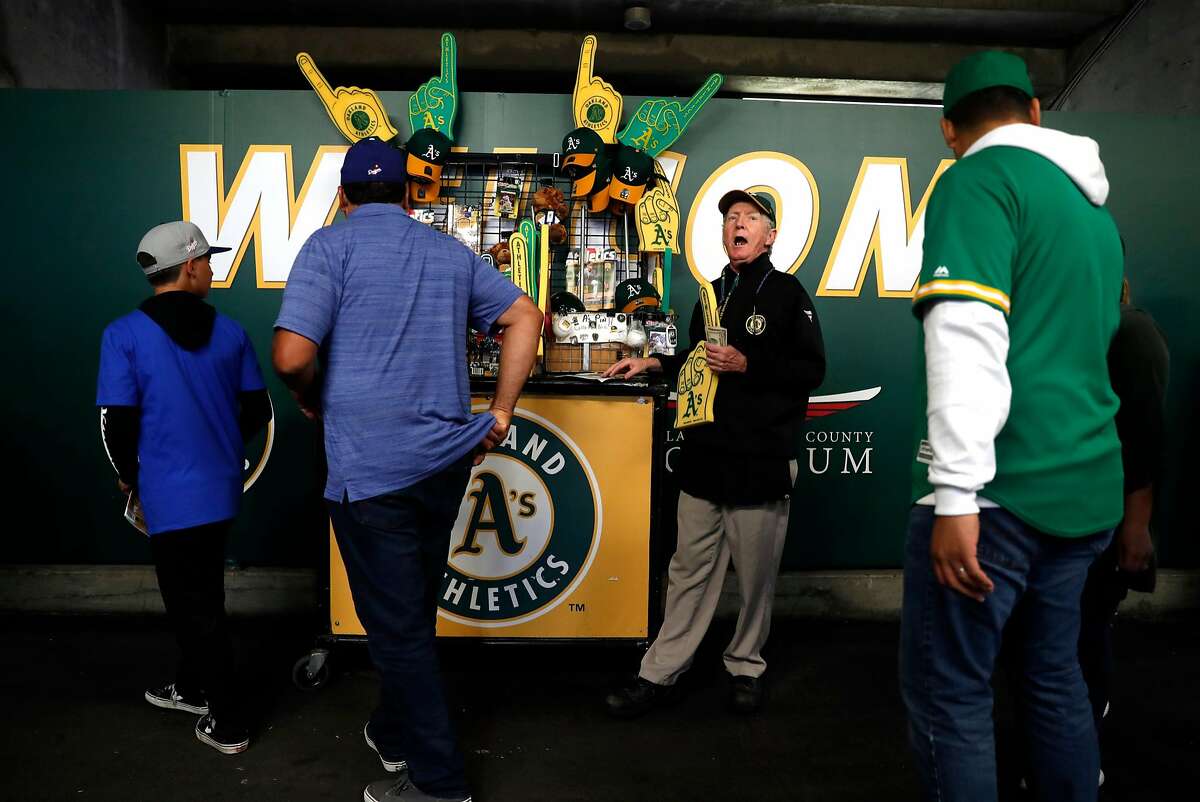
x=527, y=529
x=597, y=111
x=361, y=120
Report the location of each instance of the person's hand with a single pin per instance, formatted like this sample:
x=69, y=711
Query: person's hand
x=1134, y=547
x=724, y=359
x=631, y=366
x=358, y=113
x=657, y=123
x=124, y=488
x=496, y=434
x=309, y=403
x=435, y=102
x=595, y=103
x=955, y=539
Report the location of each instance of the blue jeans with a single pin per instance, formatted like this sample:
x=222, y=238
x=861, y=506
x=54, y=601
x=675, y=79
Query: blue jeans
x=395, y=547
x=948, y=650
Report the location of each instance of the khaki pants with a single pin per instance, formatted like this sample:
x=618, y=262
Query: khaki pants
x=710, y=535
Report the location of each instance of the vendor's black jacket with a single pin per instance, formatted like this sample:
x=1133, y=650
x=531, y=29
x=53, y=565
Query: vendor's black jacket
x=742, y=457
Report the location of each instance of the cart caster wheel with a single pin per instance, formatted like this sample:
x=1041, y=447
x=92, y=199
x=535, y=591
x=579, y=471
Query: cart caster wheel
x=311, y=672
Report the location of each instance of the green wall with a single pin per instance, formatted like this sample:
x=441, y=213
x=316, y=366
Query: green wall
x=85, y=174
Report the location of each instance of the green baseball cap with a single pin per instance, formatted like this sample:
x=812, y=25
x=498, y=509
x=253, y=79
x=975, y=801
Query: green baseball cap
x=631, y=173
x=427, y=150
x=763, y=200
x=636, y=293
x=984, y=70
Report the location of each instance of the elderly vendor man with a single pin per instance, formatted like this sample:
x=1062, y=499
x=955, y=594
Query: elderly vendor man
x=736, y=474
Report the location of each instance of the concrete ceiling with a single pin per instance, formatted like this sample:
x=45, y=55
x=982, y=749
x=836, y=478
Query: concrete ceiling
x=884, y=49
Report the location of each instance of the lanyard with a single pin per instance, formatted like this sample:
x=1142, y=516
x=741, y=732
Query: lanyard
x=728, y=295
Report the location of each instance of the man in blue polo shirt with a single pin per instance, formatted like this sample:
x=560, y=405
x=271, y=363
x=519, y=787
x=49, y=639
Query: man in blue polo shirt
x=383, y=303
x=179, y=393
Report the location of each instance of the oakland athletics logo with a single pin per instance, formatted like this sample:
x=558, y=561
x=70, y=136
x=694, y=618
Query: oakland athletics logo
x=527, y=529
x=359, y=117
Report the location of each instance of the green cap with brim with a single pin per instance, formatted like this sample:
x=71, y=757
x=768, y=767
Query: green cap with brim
x=636, y=293
x=984, y=70
x=762, y=200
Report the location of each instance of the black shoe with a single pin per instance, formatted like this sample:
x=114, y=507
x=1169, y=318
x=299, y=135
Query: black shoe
x=746, y=694
x=403, y=790
x=392, y=766
x=638, y=697
x=226, y=740
x=168, y=697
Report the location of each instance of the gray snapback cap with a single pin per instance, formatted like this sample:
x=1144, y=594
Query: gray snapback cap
x=171, y=244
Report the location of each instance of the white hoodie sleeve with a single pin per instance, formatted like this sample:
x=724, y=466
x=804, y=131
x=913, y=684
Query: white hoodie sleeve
x=966, y=350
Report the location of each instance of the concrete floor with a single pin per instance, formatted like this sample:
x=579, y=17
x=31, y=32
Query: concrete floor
x=531, y=721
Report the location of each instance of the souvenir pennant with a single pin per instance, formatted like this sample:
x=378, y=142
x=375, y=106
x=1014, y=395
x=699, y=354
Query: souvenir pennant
x=529, y=231
x=357, y=113
x=595, y=103
x=543, y=293
x=697, y=388
x=518, y=248
x=658, y=122
x=658, y=217
x=543, y=284
x=435, y=103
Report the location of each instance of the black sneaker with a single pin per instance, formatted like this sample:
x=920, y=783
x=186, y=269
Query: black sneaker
x=638, y=698
x=227, y=741
x=388, y=765
x=168, y=697
x=403, y=790
x=746, y=694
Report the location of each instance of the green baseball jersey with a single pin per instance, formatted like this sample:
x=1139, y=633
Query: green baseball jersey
x=1008, y=227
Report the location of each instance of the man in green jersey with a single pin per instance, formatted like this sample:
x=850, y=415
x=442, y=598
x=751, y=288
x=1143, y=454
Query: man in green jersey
x=1017, y=467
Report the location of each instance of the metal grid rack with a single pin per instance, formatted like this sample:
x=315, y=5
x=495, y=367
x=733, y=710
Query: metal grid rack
x=466, y=208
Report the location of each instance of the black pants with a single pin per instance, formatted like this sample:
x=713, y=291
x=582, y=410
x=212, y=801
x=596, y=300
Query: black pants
x=190, y=564
x=1105, y=590
x=395, y=547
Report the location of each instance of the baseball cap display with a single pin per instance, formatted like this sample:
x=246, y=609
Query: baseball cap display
x=171, y=244
x=427, y=152
x=631, y=171
x=372, y=159
x=636, y=293
x=984, y=70
x=762, y=200
x=566, y=303
x=581, y=148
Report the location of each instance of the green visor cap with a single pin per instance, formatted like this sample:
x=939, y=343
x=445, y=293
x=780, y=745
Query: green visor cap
x=632, y=171
x=984, y=70
x=427, y=151
x=763, y=200
x=581, y=149
x=634, y=294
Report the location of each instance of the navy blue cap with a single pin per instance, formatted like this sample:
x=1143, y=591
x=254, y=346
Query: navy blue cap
x=372, y=159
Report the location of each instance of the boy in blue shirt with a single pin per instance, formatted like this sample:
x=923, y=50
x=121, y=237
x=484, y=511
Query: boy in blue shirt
x=180, y=392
